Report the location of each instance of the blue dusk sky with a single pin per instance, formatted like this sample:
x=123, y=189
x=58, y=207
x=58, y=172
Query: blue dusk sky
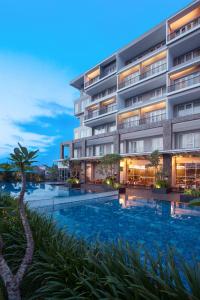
x=46, y=43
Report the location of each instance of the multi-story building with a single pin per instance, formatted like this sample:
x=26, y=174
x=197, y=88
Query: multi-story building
x=144, y=97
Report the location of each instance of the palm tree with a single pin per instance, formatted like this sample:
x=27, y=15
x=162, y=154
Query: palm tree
x=21, y=159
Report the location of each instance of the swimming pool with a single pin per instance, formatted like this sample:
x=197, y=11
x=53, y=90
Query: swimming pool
x=149, y=222
x=41, y=191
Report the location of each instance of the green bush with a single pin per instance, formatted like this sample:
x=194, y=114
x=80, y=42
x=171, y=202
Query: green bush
x=192, y=192
x=73, y=180
x=161, y=183
x=65, y=267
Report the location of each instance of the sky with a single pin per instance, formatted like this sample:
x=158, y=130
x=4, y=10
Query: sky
x=46, y=43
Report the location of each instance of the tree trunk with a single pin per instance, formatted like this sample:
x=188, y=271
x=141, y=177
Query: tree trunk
x=8, y=278
x=28, y=233
x=12, y=282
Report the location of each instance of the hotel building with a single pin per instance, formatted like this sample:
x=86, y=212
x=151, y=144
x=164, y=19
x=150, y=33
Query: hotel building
x=144, y=97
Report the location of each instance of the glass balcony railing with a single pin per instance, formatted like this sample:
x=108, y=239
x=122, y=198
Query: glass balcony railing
x=149, y=96
x=185, y=28
x=144, y=74
x=101, y=111
x=142, y=121
x=187, y=57
x=91, y=81
x=104, y=73
x=187, y=82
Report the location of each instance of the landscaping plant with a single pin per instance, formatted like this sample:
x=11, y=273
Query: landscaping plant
x=21, y=159
x=65, y=267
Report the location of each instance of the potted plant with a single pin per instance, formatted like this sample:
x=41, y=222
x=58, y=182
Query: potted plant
x=73, y=182
x=189, y=195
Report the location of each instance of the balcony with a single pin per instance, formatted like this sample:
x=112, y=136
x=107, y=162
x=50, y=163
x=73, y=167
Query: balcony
x=146, y=97
x=144, y=74
x=187, y=57
x=91, y=81
x=102, y=111
x=184, y=29
x=101, y=73
x=142, y=121
x=185, y=83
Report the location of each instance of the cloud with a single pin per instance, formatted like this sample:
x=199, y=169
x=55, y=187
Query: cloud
x=29, y=89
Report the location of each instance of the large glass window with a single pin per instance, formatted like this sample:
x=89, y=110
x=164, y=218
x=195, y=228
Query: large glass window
x=104, y=149
x=188, y=140
x=157, y=143
x=155, y=115
x=187, y=108
x=136, y=146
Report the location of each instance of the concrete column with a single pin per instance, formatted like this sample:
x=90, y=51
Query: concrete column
x=167, y=167
x=83, y=148
x=83, y=172
x=61, y=151
x=167, y=135
x=116, y=143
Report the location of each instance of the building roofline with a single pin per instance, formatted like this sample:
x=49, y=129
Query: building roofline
x=133, y=42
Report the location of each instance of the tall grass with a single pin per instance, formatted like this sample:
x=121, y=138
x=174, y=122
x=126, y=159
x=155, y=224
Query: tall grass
x=65, y=267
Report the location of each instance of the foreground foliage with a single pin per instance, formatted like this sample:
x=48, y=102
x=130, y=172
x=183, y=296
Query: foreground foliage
x=66, y=268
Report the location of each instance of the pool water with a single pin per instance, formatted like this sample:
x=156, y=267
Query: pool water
x=41, y=191
x=149, y=222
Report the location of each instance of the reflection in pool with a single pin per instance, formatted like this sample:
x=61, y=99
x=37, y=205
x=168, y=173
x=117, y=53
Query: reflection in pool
x=150, y=222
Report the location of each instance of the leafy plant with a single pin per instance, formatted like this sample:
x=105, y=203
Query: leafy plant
x=161, y=183
x=64, y=267
x=108, y=164
x=22, y=160
x=73, y=180
x=192, y=192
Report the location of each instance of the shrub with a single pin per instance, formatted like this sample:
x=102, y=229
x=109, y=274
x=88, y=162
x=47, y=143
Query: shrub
x=73, y=180
x=192, y=192
x=68, y=268
x=161, y=183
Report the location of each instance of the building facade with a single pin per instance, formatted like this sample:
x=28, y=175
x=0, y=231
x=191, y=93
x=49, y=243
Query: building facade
x=144, y=97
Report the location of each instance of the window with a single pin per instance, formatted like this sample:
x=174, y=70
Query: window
x=89, y=151
x=131, y=121
x=135, y=146
x=122, y=147
x=157, y=143
x=154, y=68
x=187, y=108
x=155, y=115
x=161, y=91
x=188, y=140
x=131, y=78
x=104, y=149
x=77, y=152
x=76, y=108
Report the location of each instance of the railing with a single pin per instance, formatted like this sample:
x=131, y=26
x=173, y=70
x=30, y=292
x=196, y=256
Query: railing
x=183, y=29
x=103, y=94
x=184, y=84
x=104, y=74
x=143, y=121
x=143, y=75
x=91, y=81
x=189, y=56
x=108, y=70
x=144, y=98
x=101, y=111
x=153, y=71
x=143, y=54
